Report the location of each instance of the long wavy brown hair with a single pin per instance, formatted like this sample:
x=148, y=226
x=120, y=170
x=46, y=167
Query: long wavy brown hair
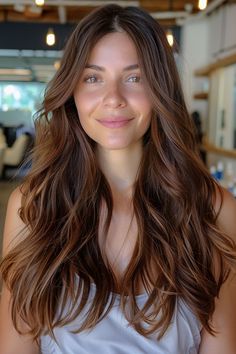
x=58, y=256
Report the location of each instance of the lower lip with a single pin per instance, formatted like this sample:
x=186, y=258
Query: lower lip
x=114, y=124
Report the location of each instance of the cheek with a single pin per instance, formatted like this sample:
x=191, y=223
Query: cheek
x=140, y=100
x=86, y=104
x=145, y=124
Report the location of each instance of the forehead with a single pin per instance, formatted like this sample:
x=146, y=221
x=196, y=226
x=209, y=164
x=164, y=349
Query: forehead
x=114, y=48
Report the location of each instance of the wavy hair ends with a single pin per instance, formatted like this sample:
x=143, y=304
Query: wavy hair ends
x=63, y=195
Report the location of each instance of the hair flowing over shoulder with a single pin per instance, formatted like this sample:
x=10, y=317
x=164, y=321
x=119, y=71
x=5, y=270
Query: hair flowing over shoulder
x=61, y=198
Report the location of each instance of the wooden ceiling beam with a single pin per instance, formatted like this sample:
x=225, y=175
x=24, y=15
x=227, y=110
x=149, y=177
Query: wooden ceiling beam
x=75, y=13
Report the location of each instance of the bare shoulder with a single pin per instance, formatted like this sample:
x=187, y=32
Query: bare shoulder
x=224, y=319
x=225, y=207
x=15, y=198
x=13, y=223
x=10, y=340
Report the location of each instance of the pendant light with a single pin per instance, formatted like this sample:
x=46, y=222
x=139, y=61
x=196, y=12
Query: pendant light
x=170, y=37
x=50, y=38
x=39, y=2
x=202, y=4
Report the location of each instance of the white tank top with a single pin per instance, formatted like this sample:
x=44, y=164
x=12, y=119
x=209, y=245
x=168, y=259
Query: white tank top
x=114, y=335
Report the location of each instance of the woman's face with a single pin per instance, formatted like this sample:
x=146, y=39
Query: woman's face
x=111, y=97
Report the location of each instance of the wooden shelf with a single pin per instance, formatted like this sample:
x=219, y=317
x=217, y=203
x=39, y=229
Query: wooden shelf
x=204, y=71
x=219, y=151
x=220, y=63
x=200, y=96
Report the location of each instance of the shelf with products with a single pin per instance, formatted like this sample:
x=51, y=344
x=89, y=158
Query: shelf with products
x=217, y=87
x=204, y=73
x=222, y=165
x=225, y=175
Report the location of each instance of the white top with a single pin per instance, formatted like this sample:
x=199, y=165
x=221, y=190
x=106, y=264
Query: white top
x=113, y=335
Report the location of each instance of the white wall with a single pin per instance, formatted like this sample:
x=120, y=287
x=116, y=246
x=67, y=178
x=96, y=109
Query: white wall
x=222, y=32
x=194, y=54
x=216, y=34
x=229, y=30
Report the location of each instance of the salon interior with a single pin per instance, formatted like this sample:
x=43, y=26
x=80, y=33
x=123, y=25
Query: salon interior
x=202, y=35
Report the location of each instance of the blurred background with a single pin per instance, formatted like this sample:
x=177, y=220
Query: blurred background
x=202, y=35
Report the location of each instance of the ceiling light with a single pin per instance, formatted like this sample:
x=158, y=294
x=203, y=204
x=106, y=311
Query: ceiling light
x=202, y=4
x=39, y=2
x=50, y=38
x=170, y=37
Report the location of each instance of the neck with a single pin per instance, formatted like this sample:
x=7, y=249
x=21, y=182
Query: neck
x=120, y=168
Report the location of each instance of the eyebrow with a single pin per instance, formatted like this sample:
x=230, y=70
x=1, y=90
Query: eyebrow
x=101, y=68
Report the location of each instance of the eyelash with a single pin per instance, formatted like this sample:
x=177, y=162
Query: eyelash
x=87, y=78
x=137, y=77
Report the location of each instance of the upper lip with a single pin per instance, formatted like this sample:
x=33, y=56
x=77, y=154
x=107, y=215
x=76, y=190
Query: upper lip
x=114, y=119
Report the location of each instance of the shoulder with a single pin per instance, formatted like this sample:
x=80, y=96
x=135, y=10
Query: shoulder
x=224, y=319
x=11, y=341
x=13, y=223
x=225, y=208
x=15, y=198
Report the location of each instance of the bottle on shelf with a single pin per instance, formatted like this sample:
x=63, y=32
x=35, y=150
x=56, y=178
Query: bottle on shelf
x=225, y=177
x=220, y=171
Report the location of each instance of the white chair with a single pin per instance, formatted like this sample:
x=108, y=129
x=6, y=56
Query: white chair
x=2, y=152
x=14, y=155
x=3, y=142
x=3, y=146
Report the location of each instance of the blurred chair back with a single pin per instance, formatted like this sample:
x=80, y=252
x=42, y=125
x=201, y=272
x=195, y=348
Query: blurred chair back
x=2, y=152
x=3, y=141
x=14, y=155
x=3, y=146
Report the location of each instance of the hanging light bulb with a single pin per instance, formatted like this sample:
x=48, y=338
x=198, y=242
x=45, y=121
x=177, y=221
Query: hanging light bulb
x=202, y=4
x=39, y=2
x=170, y=37
x=50, y=38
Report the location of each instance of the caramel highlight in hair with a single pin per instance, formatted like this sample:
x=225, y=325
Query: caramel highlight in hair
x=59, y=257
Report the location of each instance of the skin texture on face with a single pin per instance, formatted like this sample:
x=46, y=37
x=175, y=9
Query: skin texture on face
x=111, y=97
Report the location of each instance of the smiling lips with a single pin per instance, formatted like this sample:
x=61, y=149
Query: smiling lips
x=116, y=122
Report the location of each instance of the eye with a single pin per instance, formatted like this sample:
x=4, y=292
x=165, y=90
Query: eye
x=91, y=79
x=134, y=78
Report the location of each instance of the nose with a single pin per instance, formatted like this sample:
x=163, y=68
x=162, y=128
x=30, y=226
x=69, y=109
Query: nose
x=113, y=97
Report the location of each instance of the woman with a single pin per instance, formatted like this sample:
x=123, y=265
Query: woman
x=123, y=242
